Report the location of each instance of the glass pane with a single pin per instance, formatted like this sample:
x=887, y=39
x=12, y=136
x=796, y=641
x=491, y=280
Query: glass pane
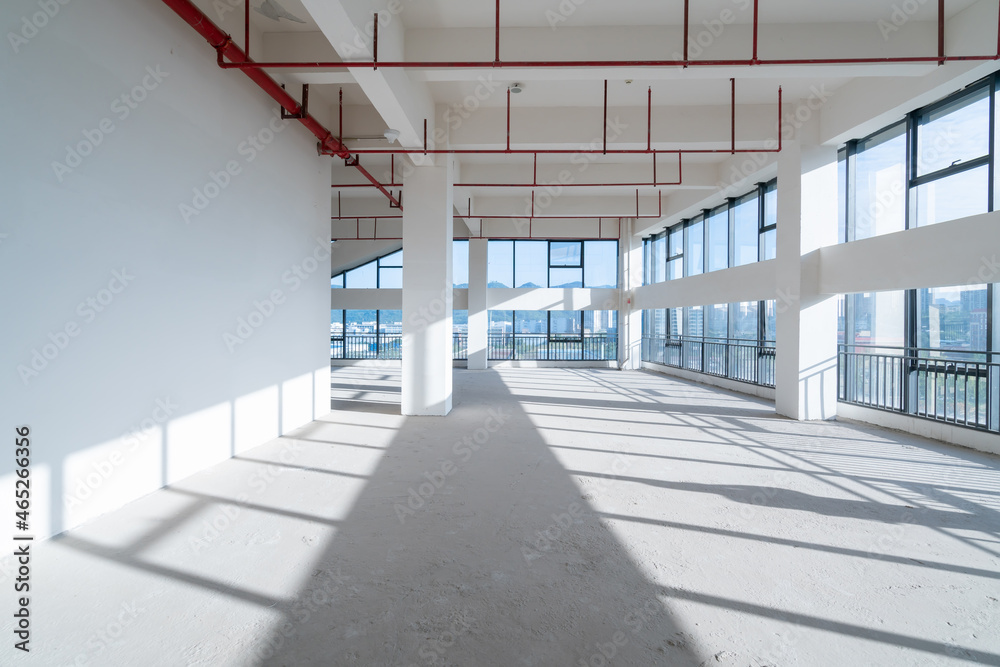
x=952, y=318
x=770, y=320
x=336, y=323
x=460, y=321
x=659, y=322
x=676, y=240
x=601, y=321
x=600, y=262
x=390, y=278
x=745, y=231
x=363, y=277
x=718, y=239
x=693, y=321
x=675, y=268
x=531, y=265
x=842, y=196
x=953, y=197
x=501, y=321
x=769, y=245
x=395, y=259
x=500, y=264
x=564, y=324
x=565, y=253
x=565, y=277
x=390, y=321
x=717, y=324
x=337, y=282
x=841, y=319
x=530, y=322
x=955, y=133
x=880, y=184
x=694, y=248
x=460, y=264
x=360, y=321
x=744, y=319
x=878, y=318
x=675, y=325
x=659, y=253
x=771, y=205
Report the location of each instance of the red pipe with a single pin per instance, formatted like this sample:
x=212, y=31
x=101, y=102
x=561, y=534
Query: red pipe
x=375, y=42
x=649, y=122
x=756, y=28
x=686, y=20
x=508, y=119
x=226, y=48
x=940, y=32
x=246, y=28
x=497, y=54
x=573, y=64
x=605, y=117
x=732, y=105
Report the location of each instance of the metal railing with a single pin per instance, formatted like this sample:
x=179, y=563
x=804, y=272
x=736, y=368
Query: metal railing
x=540, y=347
x=956, y=387
x=460, y=347
x=366, y=346
x=737, y=359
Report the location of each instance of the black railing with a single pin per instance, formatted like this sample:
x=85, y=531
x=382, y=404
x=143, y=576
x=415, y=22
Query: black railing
x=741, y=360
x=460, y=347
x=955, y=387
x=540, y=347
x=366, y=346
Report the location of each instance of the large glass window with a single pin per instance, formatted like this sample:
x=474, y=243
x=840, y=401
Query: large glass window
x=694, y=246
x=531, y=266
x=953, y=318
x=878, y=170
x=390, y=271
x=500, y=264
x=675, y=258
x=460, y=264
x=531, y=322
x=745, y=321
x=746, y=228
x=600, y=263
x=877, y=318
x=769, y=222
x=363, y=277
x=718, y=238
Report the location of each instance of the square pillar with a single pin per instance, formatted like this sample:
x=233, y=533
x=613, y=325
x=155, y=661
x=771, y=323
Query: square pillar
x=629, y=318
x=806, y=355
x=478, y=305
x=428, y=230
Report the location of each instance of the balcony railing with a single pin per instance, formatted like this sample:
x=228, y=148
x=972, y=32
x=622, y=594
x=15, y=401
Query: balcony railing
x=366, y=346
x=540, y=347
x=460, y=347
x=737, y=359
x=956, y=387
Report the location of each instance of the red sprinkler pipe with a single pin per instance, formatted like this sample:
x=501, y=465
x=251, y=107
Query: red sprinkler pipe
x=227, y=49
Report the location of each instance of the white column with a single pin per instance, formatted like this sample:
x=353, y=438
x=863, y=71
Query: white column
x=427, y=291
x=478, y=306
x=629, y=318
x=806, y=361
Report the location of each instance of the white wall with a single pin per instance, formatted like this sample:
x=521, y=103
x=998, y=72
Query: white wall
x=148, y=390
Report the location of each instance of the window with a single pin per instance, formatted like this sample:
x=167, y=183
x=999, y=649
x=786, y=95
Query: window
x=500, y=264
x=557, y=264
x=952, y=318
x=675, y=255
x=769, y=223
x=390, y=271
x=745, y=229
x=718, y=238
x=931, y=167
x=386, y=272
x=565, y=264
x=531, y=266
x=363, y=277
x=460, y=322
x=337, y=282
x=460, y=264
x=554, y=335
x=694, y=246
x=745, y=321
x=600, y=262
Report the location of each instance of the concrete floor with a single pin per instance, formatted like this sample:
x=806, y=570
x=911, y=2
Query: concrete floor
x=557, y=517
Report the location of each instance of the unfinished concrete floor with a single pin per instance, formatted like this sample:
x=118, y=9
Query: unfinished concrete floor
x=557, y=517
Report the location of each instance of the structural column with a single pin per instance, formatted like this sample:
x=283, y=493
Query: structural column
x=629, y=318
x=427, y=291
x=806, y=357
x=478, y=306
